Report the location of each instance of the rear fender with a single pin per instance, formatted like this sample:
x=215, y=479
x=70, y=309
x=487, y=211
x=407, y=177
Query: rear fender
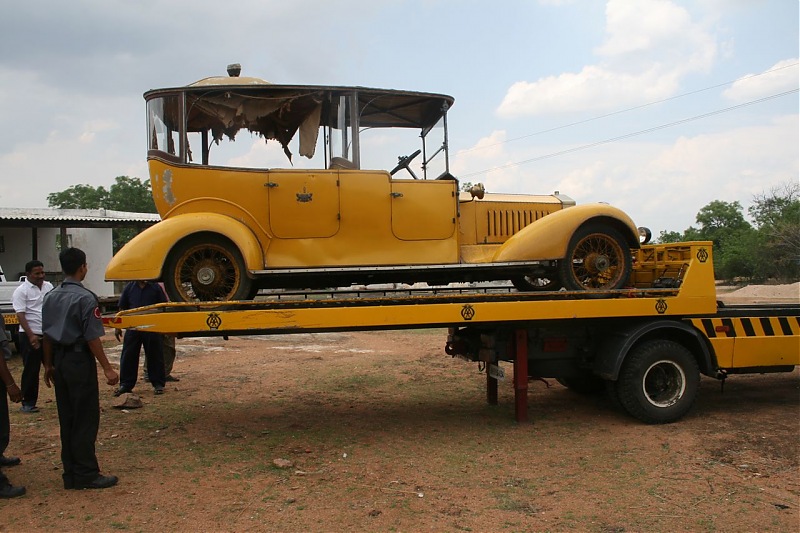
x=548, y=237
x=143, y=257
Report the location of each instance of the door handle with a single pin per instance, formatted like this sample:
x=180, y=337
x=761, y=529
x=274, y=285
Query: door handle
x=397, y=195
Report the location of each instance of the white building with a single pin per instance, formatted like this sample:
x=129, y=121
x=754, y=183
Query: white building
x=37, y=233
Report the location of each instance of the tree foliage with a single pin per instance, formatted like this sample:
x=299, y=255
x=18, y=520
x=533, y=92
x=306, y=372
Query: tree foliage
x=768, y=250
x=126, y=194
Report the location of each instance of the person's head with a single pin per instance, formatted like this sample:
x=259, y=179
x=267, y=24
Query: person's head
x=73, y=262
x=34, y=272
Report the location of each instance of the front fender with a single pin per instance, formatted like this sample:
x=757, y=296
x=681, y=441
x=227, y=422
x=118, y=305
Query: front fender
x=548, y=237
x=143, y=257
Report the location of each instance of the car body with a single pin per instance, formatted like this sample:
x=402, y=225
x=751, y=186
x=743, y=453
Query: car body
x=228, y=230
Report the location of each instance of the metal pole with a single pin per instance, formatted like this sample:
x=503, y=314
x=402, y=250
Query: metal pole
x=491, y=387
x=521, y=376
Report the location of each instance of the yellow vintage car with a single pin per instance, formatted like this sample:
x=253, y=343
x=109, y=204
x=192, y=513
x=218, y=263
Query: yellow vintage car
x=229, y=230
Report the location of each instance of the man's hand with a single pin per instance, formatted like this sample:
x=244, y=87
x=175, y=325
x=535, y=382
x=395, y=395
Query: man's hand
x=111, y=375
x=49, y=372
x=34, y=340
x=118, y=334
x=14, y=393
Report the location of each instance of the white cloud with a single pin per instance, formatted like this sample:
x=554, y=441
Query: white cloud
x=650, y=46
x=660, y=185
x=780, y=77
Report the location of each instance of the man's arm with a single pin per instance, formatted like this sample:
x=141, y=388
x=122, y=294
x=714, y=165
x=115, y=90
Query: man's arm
x=96, y=347
x=13, y=391
x=32, y=338
x=20, y=306
x=47, y=360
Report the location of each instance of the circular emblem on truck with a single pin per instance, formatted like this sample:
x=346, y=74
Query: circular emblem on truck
x=214, y=321
x=467, y=312
x=702, y=255
x=661, y=306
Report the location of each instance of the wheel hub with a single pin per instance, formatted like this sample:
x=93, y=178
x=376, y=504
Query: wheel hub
x=206, y=275
x=597, y=263
x=664, y=384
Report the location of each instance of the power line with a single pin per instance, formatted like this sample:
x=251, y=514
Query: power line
x=619, y=112
x=633, y=134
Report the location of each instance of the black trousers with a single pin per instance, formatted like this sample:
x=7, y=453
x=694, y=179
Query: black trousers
x=32, y=365
x=129, y=359
x=5, y=427
x=78, y=402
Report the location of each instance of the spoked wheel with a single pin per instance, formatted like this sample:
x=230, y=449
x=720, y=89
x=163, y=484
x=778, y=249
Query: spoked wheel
x=531, y=283
x=206, y=268
x=598, y=258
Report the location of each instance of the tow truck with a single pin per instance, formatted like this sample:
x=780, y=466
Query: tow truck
x=647, y=344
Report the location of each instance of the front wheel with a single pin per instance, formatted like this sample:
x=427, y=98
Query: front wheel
x=205, y=268
x=598, y=259
x=658, y=382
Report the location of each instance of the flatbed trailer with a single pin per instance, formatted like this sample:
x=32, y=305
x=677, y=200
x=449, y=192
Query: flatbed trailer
x=647, y=344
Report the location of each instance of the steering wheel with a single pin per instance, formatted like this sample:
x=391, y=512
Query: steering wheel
x=402, y=163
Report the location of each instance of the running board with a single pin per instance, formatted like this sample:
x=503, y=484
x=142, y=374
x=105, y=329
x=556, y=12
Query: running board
x=365, y=275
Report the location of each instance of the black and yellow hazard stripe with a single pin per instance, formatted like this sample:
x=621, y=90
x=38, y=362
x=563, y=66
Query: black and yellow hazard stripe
x=763, y=326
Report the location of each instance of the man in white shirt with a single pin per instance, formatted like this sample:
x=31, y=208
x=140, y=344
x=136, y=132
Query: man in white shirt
x=27, y=301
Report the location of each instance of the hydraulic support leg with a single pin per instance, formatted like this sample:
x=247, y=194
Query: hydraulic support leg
x=521, y=375
x=491, y=388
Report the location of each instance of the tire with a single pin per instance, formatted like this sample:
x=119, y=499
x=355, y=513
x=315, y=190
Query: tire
x=598, y=259
x=658, y=382
x=206, y=267
x=585, y=385
x=530, y=283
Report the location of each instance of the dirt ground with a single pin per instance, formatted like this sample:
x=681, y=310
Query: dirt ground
x=381, y=431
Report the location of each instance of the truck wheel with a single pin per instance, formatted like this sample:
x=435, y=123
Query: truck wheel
x=206, y=268
x=658, y=382
x=598, y=258
x=586, y=385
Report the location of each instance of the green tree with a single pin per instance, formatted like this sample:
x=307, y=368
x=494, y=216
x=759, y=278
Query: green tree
x=126, y=194
x=777, y=218
x=720, y=219
x=670, y=236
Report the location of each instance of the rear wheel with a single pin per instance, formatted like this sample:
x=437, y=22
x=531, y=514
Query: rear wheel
x=598, y=258
x=204, y=268
x=658, y=382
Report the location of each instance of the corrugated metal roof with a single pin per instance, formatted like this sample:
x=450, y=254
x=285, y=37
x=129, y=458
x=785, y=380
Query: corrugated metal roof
x=75, y=215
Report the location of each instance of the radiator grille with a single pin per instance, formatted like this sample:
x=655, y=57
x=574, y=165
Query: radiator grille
x=505, y=223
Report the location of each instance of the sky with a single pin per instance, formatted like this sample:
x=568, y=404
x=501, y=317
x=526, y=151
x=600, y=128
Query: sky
x=655, y=106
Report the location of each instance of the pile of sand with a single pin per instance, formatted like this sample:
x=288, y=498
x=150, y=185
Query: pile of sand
x=791, y=291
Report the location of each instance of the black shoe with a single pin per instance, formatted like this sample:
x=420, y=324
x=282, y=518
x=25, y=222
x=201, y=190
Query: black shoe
x=9, y=491
x=9, y=461
x=121, y=390
x=171, y=378
x=158, y=390
x=100, y=482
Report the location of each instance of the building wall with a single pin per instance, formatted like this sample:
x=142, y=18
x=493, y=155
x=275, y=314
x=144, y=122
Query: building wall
x=96, y=242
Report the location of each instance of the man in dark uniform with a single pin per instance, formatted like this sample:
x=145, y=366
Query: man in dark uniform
x=72, y=341
x=7, y=386
x=139, y=294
